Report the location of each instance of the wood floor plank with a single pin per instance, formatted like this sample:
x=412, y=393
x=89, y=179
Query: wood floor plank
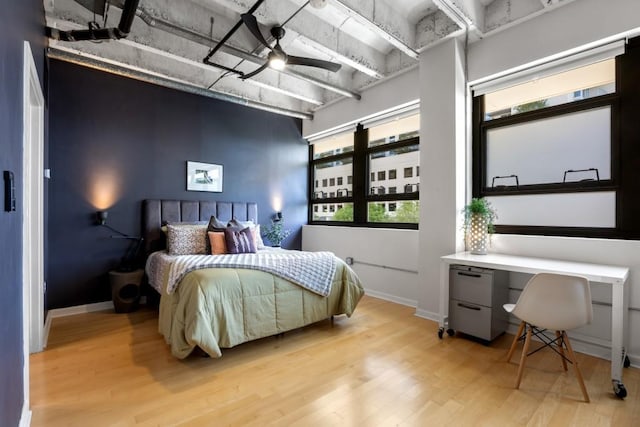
x=381, y=367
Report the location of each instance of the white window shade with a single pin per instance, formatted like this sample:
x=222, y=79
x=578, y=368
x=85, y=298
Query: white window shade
x=592, y=76
x=334, y=144
x=396, y=126
x=538, y=72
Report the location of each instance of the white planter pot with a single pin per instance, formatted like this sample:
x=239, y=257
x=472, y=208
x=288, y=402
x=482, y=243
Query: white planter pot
x=477, y=236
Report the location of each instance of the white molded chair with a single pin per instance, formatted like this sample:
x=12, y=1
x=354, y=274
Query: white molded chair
x=555, y=302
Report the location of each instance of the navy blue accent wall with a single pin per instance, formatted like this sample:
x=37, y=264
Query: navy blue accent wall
x=19, y=20
x=116, y=141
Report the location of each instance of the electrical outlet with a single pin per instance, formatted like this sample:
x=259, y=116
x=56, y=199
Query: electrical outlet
x=349, y=260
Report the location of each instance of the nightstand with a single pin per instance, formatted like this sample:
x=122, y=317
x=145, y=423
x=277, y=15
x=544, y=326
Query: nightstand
x=125, y=289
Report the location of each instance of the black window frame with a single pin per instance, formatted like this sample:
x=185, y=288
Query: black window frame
x=624, y=154
x=359, y=196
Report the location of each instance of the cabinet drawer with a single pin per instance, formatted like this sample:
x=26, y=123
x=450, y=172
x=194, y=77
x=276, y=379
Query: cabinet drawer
x=472, y=319
x=471, y=284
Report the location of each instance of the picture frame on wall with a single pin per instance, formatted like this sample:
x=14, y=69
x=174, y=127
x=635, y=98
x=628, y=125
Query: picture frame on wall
x=204, y=177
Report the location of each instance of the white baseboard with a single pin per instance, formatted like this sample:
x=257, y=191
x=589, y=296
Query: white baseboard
x=392, y=298
x=80, y=309
x=429, y=315
x=25, y=417
x=70, y=311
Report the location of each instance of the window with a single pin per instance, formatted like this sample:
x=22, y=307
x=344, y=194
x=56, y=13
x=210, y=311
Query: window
x=316, y=183
x=546, y=151
x=369, y=157
x=408, y=172
x=331, y=159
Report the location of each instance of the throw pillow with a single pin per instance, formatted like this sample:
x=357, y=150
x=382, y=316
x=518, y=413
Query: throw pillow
x=218, y=243
x=186, y=239
x=239, y=241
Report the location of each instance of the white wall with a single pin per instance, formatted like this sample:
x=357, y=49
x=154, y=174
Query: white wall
x=442, y=153
x=445, y=169
x=399, y=90
x=393, y=253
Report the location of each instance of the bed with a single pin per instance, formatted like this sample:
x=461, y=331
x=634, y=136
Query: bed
x=210, y=306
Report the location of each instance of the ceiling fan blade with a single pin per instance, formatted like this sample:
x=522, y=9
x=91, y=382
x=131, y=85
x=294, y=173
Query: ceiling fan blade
x=312, y=62
x=252, y=24
x=253, y=73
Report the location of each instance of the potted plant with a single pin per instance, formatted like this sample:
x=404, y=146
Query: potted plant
x=276, y=233
x=479, y=216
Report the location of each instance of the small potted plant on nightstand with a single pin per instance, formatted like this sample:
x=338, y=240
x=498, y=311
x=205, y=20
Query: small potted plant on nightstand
x=275, y=232
x=479, y=216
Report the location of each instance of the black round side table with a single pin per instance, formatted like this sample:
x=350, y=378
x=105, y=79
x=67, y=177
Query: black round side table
x=125, y=289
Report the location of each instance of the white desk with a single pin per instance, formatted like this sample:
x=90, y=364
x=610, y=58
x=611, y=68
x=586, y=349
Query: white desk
x=613, y=275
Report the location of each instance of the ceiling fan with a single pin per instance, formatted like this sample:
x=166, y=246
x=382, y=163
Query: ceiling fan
x=277, y=58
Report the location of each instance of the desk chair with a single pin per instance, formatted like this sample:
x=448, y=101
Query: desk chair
x=555, y=302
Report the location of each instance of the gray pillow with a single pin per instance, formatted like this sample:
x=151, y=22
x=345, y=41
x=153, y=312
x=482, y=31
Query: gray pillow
x=216, y=225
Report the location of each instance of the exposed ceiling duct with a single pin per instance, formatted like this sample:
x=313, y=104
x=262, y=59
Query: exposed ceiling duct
x=94, y=33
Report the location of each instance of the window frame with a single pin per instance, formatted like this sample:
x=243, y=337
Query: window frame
x=361, y=174
x=482, y=188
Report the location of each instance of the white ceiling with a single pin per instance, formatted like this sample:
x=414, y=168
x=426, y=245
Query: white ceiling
x=371, y=39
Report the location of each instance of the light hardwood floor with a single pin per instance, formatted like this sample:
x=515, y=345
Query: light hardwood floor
x=382, y=367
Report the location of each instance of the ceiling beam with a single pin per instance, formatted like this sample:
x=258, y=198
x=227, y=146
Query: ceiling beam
x=396, y=34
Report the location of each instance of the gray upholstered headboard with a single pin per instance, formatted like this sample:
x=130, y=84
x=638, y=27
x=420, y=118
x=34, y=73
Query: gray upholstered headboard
x=156, y=213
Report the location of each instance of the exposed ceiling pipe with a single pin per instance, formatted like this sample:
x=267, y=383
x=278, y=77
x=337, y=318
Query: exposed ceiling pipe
x=121, y=31
x=170, y=83
x=205, y=40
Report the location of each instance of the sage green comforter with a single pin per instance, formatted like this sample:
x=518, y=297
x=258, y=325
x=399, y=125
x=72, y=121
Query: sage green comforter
x=220, y=308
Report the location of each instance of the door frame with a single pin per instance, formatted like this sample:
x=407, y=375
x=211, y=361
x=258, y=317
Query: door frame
x=32, y=218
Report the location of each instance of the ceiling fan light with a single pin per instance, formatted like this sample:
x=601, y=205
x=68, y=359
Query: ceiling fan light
x=318, y=4
x=277, y=63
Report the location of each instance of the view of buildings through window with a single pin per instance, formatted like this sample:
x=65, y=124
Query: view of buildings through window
x=392, y=158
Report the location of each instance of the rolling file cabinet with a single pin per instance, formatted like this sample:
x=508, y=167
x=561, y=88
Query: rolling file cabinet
x=476, y=296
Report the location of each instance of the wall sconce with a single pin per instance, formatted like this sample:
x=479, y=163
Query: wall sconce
x=102, y=217
x=128, y=261
x=277, y=217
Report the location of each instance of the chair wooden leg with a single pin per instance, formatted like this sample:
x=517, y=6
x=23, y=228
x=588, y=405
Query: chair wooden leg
x=523, y=357
x=572, y=356
x=561, y=349
x=514, y=344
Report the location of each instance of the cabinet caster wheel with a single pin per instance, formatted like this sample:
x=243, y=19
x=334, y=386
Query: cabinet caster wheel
x=440, y=332
x=619, y=390
x=627, y=362
x=450, y=332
